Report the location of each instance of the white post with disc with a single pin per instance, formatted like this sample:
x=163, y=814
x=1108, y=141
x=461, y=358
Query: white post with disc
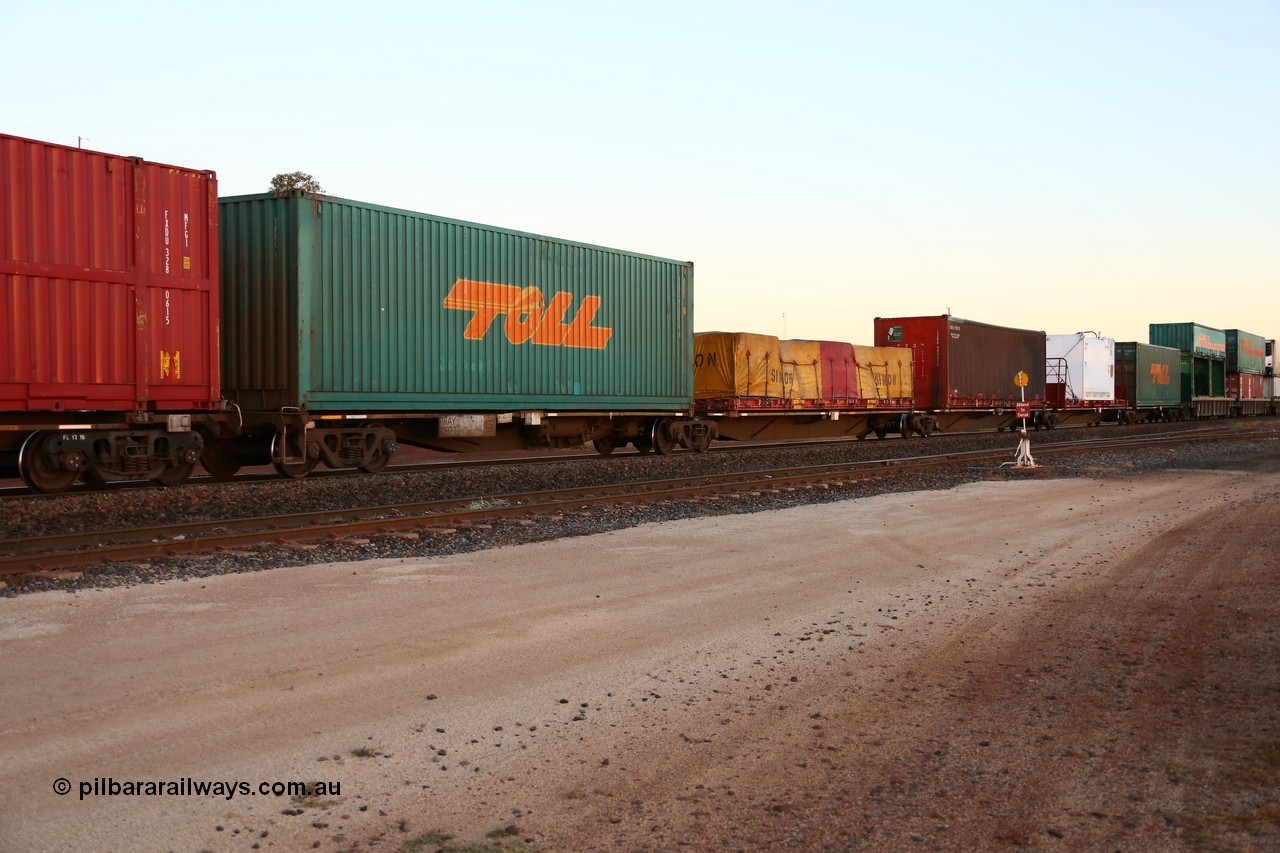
x=1023, y=458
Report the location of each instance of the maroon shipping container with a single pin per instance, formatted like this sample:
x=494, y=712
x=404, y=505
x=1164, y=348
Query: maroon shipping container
x=962, y=364
x=1244, y=386
x=108, y=282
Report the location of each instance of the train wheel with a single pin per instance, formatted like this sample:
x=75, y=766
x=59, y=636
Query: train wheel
x=219, y=461
x=643, y=444
x=663, y=443
x=377, y=463
x=175, y=475
x=701, y=444
x=35, y=469
x=294, y=469
x=382, y=451
x=881, y=431
x=605, y=444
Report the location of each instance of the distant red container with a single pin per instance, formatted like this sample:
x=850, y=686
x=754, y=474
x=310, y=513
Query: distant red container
x=1245, y=386
x=108, y=282
x=962, y=364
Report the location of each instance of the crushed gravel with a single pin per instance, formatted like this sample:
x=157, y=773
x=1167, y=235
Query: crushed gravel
x=1100, y=675
x=123, y=508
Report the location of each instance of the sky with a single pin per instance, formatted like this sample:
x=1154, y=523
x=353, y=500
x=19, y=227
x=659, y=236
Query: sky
x=1095, y=165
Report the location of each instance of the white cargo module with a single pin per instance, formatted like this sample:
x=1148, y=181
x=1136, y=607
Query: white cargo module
x=1084, y=364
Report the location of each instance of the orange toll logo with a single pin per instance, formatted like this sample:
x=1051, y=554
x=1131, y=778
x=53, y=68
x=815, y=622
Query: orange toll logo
x=1160, y=374
x=1210, y=344
x=529, y=317
x=1249, y=348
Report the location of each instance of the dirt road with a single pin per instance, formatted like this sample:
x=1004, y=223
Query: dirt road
x=1056, y=664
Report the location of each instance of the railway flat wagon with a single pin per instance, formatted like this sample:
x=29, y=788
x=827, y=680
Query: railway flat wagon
x=108, y=314
x=1203, y=366
x=964, y=371
x=756, y=386
x=1148, y=384
x=1080, y=377
x=350, y=326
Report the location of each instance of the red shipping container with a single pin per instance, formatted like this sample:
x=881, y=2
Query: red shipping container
x=962, y=364
x=1245, y=386
x=108, y=282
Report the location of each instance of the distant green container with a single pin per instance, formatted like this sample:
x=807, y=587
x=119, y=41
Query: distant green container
x=1190, y=339
x=341, y=306
x=1246, y=353
x=1148, y=376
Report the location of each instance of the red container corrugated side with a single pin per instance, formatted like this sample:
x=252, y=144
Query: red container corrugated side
x=963, y=364
x=1244, y=386
x=108, y=282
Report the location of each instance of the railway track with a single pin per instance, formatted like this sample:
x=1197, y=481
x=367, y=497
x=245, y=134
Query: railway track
x=74, y=550
x=15, y=488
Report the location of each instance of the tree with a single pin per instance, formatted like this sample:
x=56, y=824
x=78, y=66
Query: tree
x=286, y=181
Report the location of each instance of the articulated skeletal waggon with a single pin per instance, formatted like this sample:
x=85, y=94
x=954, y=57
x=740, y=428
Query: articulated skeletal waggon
x=147, y=327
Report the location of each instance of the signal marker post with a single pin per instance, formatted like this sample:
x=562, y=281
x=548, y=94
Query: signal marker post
x=1023, y=458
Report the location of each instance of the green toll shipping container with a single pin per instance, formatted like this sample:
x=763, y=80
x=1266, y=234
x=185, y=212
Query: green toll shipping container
x=1204, y=357
x=1246, y=353
x=340, y=306
x=1190, y=339
x=1148, y=376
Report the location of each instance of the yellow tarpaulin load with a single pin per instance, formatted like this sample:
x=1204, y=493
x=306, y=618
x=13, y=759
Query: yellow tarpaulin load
x=884, y=373
x=735, y=364
x=801, y=369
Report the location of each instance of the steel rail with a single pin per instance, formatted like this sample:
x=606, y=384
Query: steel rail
x=34, y=554
x=551, y=457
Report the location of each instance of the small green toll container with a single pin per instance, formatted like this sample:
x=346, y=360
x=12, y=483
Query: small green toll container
x=1148, y=376
x=1246, y=352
